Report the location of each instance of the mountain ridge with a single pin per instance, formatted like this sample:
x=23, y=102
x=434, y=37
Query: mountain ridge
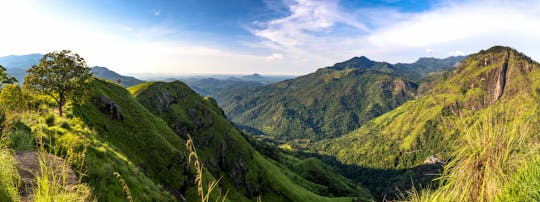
x=327, y=103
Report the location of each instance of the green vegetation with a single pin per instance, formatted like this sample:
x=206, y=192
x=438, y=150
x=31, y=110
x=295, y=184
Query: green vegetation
x=499, y=81
x=524, y=185
x=9, y=177
x=471, y=136
x=4, y=77
x=331, y=101
x=320, y=105
x=223, y=150
x=490, y=153
x=62, y=75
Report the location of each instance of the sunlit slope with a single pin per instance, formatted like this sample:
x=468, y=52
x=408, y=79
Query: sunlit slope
x=226, y=153
x=499, y=82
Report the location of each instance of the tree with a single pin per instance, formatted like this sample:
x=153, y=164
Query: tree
x=4, y=77
x=61, y=75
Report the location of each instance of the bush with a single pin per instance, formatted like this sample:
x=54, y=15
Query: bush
x=13, y=98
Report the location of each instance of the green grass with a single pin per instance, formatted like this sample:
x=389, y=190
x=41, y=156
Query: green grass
x=244, y=170
x=524, y=186
x=9, y=176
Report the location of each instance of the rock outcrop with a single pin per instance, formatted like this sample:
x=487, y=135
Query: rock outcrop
x=29, y=167
x=107, y=106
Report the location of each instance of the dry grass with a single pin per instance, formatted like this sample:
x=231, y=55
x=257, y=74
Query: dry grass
x=194, y=158
x=125, y=187
x=488, y=155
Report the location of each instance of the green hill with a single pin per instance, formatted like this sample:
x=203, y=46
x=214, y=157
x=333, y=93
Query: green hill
x=330, y=102
x=114, y=135
x=499, y=82
x=228, y=154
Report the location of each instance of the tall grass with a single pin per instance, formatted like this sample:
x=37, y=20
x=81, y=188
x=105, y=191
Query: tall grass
x=194, y=158
x=53, y=183
x=125, y=187
x=486, y=158
x=9, y=176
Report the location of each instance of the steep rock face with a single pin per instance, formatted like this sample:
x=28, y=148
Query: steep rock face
x=107, y=106
x=497, y=72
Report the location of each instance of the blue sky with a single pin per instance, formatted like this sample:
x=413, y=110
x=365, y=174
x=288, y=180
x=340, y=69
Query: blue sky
x=263, y=36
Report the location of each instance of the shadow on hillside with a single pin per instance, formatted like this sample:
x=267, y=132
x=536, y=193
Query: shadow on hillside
x=383, y=183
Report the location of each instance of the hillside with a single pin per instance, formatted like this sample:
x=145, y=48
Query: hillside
x=226, y=153
x=104, y=73
x=328, y=103
x=112, y=141
x=499, y=82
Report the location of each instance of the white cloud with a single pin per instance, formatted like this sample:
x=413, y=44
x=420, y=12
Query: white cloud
x=306, y=16
x=274, y=56
x=449, y=28
x=28, y=28
x=157, y=12
x=312, y=34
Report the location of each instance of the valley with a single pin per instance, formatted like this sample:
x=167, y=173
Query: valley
x=359, y=130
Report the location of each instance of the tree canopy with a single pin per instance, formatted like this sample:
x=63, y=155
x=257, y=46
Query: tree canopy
x=4, y=77
x=61, y=75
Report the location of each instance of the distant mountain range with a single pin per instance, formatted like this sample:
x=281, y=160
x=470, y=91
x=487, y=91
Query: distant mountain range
x=17, y=65
x=332, y=101
x=104, y=73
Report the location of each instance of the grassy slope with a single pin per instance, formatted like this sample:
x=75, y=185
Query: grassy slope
x=143, y=138
x=524, y=186
x=404, y=137
x=222, y=147
x=320, y=105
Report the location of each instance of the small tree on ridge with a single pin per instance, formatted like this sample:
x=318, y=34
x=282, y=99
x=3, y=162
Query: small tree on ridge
x=61, y=75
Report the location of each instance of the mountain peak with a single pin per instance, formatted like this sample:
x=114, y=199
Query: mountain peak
x=496, y=71
x=355, y=62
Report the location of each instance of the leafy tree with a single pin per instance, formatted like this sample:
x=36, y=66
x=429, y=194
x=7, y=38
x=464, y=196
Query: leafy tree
x=4, y=77
x=61, y=75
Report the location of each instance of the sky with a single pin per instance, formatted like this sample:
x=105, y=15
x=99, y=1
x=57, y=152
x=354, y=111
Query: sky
x=263, y=36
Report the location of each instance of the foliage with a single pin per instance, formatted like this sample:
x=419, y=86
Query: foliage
x=13, y=98
x=5, y=78
x=62, y=75
x=9, y=176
